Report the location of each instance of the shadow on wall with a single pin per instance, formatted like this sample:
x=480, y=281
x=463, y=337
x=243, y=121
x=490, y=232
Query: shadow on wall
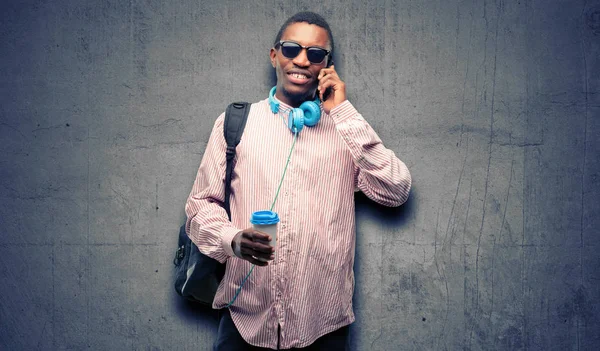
x=383, y=217
x=191, y=312
x=390, y=217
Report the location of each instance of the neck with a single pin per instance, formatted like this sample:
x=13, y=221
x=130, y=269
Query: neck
x=293, y=100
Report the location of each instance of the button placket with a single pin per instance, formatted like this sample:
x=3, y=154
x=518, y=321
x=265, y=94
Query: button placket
x=282, y=238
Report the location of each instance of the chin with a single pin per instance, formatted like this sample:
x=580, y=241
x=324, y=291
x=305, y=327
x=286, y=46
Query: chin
x=296, y=92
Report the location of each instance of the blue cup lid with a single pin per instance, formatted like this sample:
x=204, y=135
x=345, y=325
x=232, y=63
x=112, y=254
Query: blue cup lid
x=264, y=218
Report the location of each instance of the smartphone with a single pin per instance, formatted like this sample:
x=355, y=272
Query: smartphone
x=328, y=90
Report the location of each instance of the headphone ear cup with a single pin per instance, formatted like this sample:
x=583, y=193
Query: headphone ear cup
x=312, y=113
x=296, y=120
x=272, y=102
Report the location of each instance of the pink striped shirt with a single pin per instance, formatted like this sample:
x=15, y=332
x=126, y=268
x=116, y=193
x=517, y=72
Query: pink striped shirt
x=307, y=289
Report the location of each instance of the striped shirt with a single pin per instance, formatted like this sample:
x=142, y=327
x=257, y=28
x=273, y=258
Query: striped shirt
x=307, y=289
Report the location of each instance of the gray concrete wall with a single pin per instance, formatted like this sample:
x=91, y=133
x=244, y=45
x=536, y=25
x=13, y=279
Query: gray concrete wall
x=106, y=108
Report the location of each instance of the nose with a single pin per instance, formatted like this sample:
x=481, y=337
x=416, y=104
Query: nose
x=301, y=60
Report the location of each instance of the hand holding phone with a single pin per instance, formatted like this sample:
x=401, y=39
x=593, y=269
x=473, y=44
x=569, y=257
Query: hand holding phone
x=332, y=90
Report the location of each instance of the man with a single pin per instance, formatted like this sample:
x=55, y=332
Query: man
x=300, y=293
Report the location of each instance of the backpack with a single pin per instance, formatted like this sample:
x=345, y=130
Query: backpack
x=197, y=276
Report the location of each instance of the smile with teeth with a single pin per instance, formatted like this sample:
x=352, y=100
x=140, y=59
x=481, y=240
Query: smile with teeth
x=298, y=75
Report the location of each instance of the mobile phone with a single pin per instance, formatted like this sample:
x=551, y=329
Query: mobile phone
x=328, y=90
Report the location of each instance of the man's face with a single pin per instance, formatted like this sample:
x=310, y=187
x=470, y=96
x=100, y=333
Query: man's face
x=297, y=77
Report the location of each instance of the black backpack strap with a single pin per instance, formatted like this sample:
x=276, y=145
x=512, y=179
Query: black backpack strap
x=236, y=116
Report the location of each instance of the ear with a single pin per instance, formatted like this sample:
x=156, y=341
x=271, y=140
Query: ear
x=273, y=55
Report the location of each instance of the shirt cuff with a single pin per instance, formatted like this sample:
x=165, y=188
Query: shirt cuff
x=227, y=235
x=342, y=112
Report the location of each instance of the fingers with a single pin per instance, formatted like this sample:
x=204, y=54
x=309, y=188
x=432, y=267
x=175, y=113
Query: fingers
x=255, y=235
x=327, y=71
x=257, y=253
x=326, y=82
x=255, y=248
x=328, y=78
x=253, y=260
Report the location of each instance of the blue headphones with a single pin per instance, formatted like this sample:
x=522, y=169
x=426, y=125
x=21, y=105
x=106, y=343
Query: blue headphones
x=307, y=114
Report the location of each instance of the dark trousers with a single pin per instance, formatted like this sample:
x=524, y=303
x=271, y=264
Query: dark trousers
x=229, y=339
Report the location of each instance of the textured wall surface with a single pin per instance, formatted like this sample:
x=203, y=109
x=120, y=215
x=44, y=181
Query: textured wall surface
x=106, y=108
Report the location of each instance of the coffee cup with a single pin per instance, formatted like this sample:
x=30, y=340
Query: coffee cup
x=266, y=222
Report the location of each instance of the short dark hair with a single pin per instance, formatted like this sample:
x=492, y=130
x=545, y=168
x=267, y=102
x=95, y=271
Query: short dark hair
x=310, y=18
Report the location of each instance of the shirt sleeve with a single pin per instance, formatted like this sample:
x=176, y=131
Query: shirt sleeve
x=207, y=223
x=379, y=174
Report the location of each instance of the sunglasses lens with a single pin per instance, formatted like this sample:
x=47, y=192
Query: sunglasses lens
x=316, y=55
x=290, y=50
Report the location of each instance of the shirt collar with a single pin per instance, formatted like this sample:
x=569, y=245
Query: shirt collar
x=283, y=107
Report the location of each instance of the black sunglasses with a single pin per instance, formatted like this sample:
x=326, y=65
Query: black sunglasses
x=314, y=54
